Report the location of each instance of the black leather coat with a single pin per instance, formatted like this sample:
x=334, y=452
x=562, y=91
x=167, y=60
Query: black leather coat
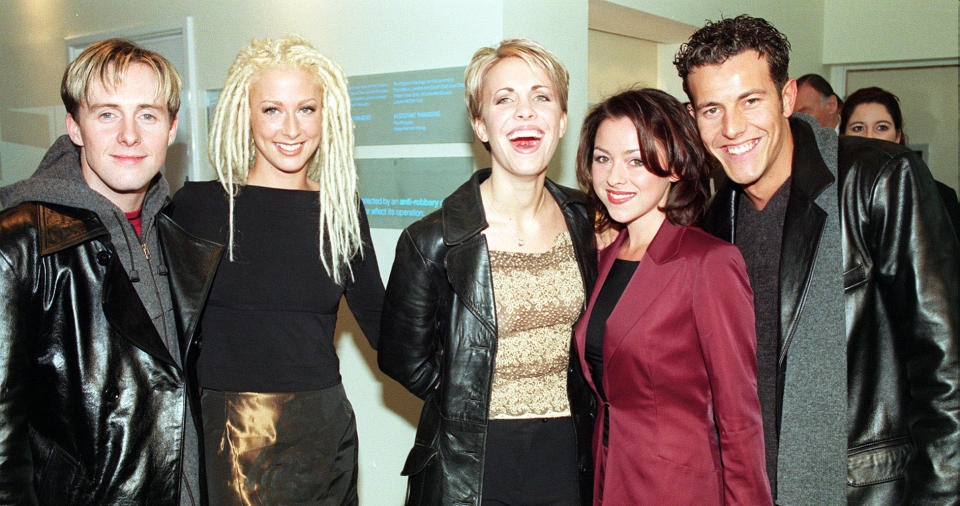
x=92, y=404
x=439, y=338
x=902, y=292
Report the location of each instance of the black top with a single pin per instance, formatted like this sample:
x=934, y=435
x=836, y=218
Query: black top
x=613, y=287
x=759, y=235
x=269, y=322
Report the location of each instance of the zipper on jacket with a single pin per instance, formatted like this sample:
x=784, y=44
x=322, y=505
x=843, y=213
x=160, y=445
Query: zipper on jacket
x=156, y=290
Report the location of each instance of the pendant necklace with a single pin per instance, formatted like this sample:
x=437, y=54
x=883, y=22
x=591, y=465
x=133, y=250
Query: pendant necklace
x=521, y=242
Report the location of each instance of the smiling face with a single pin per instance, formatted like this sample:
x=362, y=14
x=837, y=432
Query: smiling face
x=872, y=120
x=123, y=134
x=286, y=124
x=520, y=117
x=632, y=194
x=742, y=119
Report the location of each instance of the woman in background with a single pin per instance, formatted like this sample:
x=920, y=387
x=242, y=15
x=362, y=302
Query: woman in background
x=278, y=427
x=668, y=339
x=874, y=112
x=482, y=299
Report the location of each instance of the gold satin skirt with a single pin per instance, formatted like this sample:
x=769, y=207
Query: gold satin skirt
x=280, y=448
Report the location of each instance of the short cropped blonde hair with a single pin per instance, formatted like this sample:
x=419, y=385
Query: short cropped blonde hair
x=107, y=61
x=232, y=149
x=527, y=50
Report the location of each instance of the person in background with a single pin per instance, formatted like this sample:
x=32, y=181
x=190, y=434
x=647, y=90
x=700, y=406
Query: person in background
x=100, y=294
x=874, y=112
x=815, y=97
x=277, y=424
x=668, y=339
x=481, y=303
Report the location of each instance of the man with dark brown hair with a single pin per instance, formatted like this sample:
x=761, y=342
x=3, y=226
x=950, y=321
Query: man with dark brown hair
x=855, y=278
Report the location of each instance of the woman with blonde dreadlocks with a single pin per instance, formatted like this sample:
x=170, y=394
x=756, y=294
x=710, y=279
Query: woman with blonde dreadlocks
x=278, y=428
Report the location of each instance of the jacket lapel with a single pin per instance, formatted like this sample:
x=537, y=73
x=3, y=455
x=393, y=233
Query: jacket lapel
x=802, y=229
x=646, y=284
x=467, y=262
x=126, y=314
x=63, y=227
x=607, y=257
x=192, y=263
x=721, y=214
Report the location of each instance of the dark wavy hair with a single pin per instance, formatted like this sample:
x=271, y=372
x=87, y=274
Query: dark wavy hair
x=669, y=144
x=874, y=95
x=716, y=42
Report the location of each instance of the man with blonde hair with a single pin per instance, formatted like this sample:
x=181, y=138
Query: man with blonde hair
x=101, y=292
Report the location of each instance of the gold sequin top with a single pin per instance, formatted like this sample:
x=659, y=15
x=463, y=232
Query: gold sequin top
x=538, y=299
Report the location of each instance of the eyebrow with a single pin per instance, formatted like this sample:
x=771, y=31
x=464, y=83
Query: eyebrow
x=117, y=106
x=534, y=87
x=627, y=152
x=742, y=96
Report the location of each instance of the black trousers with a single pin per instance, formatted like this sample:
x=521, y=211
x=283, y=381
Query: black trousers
x=530, y=462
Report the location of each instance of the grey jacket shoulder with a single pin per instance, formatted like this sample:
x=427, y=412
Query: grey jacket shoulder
x=826, y=140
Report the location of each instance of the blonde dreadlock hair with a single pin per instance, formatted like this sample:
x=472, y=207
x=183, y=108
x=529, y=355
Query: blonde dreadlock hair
x=232, y=150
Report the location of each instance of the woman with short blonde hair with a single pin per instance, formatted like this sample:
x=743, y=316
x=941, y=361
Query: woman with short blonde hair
x=481, y=302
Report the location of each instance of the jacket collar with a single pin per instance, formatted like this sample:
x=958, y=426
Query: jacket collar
x=462, y=211
x=662, y=248
x=809, y=177
x=803, y=226
x=666, y=242
x=192, y=263
x=809, y=173
x=62, y=227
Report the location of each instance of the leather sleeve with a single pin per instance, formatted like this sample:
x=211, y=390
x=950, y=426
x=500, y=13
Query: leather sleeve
x=723, y=309
x=917, y=260
x=408, y=348
x=16, y=463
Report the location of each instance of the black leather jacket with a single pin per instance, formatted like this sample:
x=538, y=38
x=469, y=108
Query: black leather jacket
x=439, y=337
x=902, y=292
x=92, y=403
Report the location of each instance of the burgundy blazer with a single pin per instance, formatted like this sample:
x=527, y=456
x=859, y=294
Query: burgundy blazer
x=679, y=369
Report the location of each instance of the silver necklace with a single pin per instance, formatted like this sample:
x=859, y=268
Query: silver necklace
x=521, y=242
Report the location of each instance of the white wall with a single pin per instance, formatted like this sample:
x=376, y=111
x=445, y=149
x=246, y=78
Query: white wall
x=617, y=62
x=800, y=21
x=856, y=31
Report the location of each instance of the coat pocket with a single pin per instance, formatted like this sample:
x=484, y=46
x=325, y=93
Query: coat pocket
x=57, y=476
x=878, y=463
x=425, y=446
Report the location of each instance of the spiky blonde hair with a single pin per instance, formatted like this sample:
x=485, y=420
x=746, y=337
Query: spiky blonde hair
x=232, y=150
